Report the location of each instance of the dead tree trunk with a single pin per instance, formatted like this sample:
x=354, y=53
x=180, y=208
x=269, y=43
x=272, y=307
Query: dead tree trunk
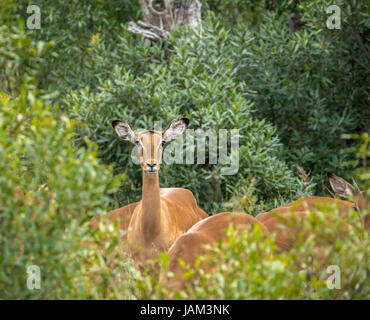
x=160, y=16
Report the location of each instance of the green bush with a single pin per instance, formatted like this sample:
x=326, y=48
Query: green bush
x=46, y=227
x=233, y=12
x=71, y=26
x=310, y=84
x=196, y=81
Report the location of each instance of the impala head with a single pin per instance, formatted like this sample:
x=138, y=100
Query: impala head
x=150, y=142
x=344, y=189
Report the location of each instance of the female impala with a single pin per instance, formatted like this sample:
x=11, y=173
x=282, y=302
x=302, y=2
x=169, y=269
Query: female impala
x=278, y=221
x=344, y=189
x=123, y=215
x=163, y=214
x=190, y=245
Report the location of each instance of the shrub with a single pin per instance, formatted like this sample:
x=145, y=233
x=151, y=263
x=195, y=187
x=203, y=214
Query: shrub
x=310, y=84
x=72, y=27
x=46, y=227
x=196, y=81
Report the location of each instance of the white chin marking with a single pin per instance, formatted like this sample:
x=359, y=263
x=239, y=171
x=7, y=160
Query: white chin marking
x=149, y=171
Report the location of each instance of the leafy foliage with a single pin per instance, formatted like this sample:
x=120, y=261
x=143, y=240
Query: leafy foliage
x=45, y=226
x=72, y=27
x=196, y=81
x=310, y=84
x=299, y=100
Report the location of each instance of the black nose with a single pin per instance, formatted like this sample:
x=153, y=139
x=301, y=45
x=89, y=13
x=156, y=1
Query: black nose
x=151, y=164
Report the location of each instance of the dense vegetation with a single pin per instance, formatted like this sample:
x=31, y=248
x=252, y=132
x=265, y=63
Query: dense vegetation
x=299, y=100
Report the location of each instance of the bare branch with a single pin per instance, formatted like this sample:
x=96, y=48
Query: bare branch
x=148, y=30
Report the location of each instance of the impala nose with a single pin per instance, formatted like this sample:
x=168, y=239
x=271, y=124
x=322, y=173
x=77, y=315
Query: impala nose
x=151, y=165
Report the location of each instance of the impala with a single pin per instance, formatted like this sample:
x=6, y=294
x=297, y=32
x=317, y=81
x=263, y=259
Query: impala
x=123, y=215
x=163, y=214
x=190, y=245
x=278, y=221
x=344, y=189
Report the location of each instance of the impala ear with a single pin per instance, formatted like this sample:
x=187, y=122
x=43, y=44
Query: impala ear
x=340, y=186
x=124, y=131
x=175, y=129
x=356, y=187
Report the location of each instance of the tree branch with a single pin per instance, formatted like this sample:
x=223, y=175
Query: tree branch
x=157, y=23
x=148, y=30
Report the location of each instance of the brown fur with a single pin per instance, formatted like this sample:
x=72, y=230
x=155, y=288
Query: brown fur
x=280, y=223
x=163, y=214
x=190, y=245
x=123, y=215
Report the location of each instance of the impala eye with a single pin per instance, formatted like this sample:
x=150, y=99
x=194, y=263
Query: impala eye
x=162, y=143
x=138, y=143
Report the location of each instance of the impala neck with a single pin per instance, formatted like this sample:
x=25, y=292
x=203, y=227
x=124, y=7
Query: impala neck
x=151, y=206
